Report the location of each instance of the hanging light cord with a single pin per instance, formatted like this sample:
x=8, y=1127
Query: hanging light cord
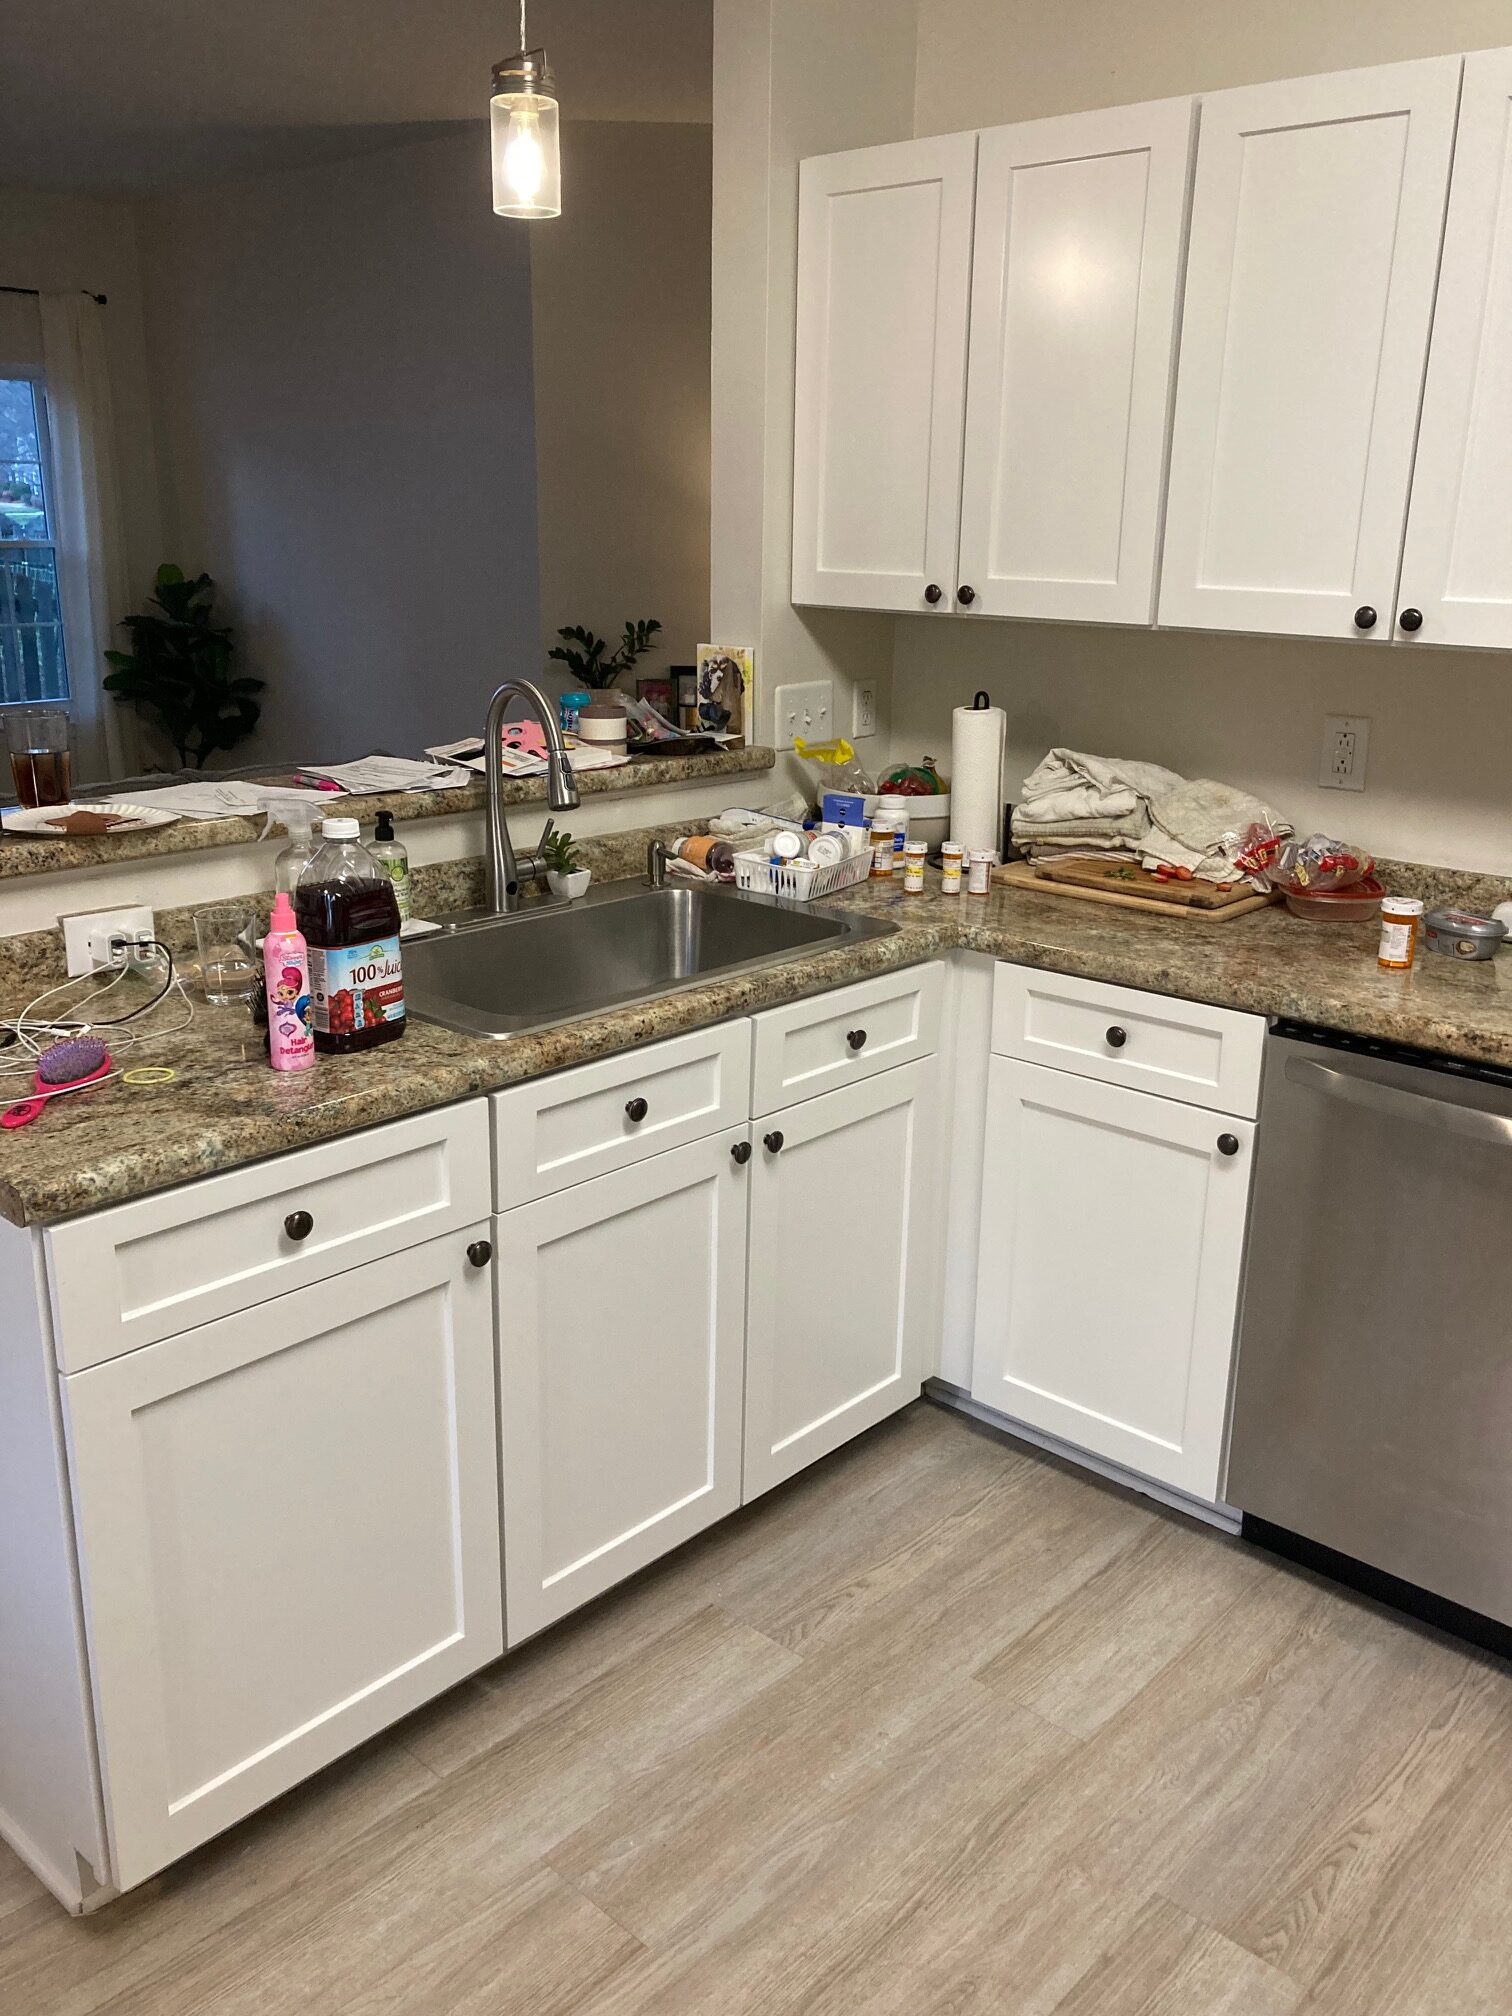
x=524, y=44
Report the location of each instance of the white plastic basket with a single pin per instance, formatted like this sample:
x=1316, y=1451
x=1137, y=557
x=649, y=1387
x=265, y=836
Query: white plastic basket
x=800, y=881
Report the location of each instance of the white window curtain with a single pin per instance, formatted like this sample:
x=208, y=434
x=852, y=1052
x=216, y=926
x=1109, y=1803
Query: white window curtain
x=91, y=556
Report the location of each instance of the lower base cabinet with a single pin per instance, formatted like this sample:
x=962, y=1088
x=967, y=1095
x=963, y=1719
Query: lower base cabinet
x=289, y=1538
x=1108, y=1280
x=844, y=1225
x=621, y=1330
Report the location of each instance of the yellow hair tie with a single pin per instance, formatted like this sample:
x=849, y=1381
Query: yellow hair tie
x=149, y=1074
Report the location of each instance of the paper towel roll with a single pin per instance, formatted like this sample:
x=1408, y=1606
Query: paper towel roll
x=978, y=741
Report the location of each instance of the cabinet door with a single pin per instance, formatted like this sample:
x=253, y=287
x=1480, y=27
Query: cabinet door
x=884, y=273
x=288, y=1537
x=1457, y=568
x=1076, y=274
x=621, y=1330
x=847, y=1210
x=1108, y=1281
x=1316, y=220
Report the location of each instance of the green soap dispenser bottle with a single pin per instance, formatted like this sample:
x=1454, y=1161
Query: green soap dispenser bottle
x=392, y=858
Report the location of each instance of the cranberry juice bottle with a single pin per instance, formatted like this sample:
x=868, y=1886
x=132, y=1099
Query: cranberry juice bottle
x=350, y=920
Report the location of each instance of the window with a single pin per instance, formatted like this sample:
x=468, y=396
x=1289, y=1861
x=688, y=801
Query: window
x=33, y=665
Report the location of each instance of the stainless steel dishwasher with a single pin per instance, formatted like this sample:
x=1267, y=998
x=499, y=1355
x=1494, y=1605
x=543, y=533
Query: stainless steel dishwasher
x=1373, y=1402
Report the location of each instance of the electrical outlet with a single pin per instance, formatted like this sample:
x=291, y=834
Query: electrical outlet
x=807, y=710
x=1346, y=745
x=87, y=935
x=864, y=709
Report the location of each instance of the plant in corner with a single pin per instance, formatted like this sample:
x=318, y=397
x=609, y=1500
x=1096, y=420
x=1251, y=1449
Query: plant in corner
x=583, y=653
x=179, y=673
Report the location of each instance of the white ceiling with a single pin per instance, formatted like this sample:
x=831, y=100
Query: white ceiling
x=121, y=99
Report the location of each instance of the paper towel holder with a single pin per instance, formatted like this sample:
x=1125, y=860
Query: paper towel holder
x=980, y=700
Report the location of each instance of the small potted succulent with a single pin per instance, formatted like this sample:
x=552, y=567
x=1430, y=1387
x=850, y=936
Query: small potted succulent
x=564, y=869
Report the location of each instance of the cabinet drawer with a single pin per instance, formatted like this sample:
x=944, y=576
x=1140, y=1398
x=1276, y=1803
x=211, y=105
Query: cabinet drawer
x=834, y=1039
x=1182, y=1049
x=553, y=1132
x=138, y=1272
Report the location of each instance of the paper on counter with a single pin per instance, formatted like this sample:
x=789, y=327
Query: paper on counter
x=373, y=774
x=226, y=798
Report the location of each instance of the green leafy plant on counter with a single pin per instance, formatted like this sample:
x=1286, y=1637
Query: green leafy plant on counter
x=583, y=653
x=561, y=853
x=179, y=671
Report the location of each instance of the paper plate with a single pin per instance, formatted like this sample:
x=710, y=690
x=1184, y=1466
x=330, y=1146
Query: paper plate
x=41, y=821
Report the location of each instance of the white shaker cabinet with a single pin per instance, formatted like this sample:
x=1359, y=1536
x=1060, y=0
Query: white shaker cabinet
x=846, y=1215
x=884, y=265
x=288, y=1537
x=621, y=1329
x=1076, y=273
x=1317, y=216
x=1109, y=1269
x=1457, y=565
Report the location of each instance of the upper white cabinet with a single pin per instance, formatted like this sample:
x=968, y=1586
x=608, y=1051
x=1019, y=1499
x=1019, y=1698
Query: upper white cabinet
x=884, y=265
x=1457, y=567
x=1075, y=278
x=1317, y=217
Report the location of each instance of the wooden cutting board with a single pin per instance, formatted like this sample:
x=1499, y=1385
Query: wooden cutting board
x=1122, y=878
x=1238, y=903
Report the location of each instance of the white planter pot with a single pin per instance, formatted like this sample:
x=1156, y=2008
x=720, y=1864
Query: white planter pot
x=575, y=884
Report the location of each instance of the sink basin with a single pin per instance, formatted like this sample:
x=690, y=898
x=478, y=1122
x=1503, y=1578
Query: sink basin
x=552, y=962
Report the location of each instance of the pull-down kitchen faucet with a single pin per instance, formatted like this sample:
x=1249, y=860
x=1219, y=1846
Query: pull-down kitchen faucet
x=505, y=870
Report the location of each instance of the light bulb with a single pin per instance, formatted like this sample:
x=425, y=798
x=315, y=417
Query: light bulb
x=524, y=164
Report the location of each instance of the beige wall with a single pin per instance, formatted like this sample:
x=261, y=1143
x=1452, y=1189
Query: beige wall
x=1246, y=709
x=620, y=310
x=342, y=380
x=791, y=77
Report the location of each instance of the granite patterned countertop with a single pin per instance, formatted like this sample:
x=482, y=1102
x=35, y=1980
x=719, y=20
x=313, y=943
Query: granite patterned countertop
x=225, y=1107
x=22, y=855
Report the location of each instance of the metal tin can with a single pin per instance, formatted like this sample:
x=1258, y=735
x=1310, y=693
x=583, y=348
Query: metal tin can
x=1463, y=934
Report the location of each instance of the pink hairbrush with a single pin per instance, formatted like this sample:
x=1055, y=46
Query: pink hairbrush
x=63, y=1067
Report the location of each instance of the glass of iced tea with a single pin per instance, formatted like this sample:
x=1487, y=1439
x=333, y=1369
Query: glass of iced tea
x=41, y=767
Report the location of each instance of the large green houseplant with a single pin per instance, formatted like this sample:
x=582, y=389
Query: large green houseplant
x=179, y=672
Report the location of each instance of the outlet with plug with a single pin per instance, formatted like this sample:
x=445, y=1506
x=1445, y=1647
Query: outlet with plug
x=807, y=710
x=1346, y=745
x=96, y=938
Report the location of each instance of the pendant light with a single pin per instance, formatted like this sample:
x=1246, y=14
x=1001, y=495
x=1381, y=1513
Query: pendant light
x=527, y=157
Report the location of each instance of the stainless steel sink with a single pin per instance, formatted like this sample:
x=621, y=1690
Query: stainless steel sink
x=553, y=962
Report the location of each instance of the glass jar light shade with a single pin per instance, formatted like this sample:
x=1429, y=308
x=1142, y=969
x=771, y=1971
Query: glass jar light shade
x=527, y=155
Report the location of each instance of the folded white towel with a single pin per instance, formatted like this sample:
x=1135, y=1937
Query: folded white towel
x=1112, y=803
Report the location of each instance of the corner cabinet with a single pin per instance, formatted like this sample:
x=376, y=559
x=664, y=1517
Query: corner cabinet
x=681, y=1333
x=884, y=269
x=1028, y=485
x=1113, y=1221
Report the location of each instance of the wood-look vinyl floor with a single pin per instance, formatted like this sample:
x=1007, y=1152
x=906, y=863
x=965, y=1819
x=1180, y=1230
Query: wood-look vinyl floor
x=942, y=1727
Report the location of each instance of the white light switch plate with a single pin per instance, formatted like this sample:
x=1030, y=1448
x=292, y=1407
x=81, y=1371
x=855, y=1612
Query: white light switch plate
x=807, y=710
x=1346, y=745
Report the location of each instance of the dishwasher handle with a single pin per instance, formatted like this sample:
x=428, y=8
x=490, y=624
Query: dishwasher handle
x=1467, y=1121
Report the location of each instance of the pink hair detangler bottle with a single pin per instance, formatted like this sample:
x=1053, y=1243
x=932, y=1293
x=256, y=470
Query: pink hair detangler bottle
x=286, y=964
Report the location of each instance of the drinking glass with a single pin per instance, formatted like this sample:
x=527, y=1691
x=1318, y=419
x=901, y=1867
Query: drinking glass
x=41, y=767
x=226, y=967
